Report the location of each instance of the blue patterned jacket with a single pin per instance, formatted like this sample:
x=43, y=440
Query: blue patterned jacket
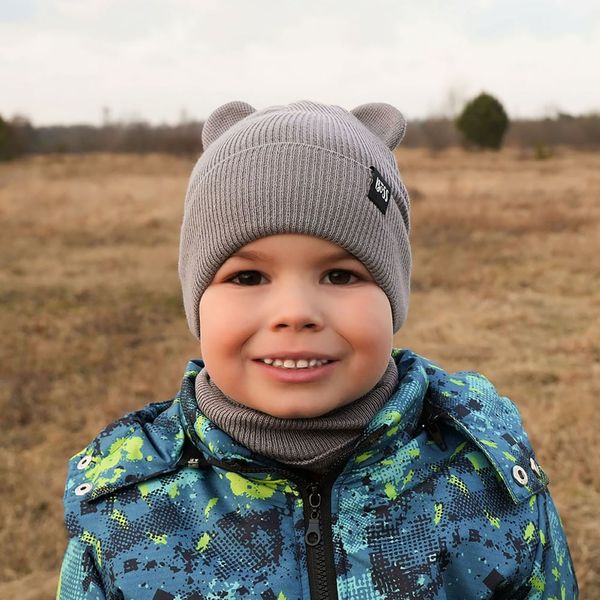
x=442, y=499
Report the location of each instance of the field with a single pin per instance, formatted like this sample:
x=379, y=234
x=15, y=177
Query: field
x=506, y=281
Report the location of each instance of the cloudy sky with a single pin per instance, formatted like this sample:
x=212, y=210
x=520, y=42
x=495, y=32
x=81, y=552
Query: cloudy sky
x=67, y=61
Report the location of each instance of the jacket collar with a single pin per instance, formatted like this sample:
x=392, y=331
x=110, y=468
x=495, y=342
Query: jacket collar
x=469, y=403
x=137, y=447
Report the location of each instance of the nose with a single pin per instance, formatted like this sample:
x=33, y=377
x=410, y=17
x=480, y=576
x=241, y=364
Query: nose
x=296, y=307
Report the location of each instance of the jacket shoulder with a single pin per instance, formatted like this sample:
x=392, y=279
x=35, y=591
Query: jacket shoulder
x=133, y=448
x=469, y=402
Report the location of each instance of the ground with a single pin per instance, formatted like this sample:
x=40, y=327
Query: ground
x=506, y=280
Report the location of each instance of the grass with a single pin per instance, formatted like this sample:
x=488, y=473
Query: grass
x=506, y=280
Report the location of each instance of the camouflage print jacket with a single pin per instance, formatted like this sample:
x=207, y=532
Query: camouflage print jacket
x=441, y=499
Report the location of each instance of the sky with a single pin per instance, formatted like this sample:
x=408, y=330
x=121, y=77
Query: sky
x=167, y=61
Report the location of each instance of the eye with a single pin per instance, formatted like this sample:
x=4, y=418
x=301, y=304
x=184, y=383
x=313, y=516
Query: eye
x=251, y=278
x=245, y=277
x=344, y=274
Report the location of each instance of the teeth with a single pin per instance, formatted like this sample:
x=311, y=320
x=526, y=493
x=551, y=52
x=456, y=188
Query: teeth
x=288, y=363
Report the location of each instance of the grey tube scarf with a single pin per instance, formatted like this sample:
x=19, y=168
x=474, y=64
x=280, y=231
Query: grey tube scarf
x=308, y=443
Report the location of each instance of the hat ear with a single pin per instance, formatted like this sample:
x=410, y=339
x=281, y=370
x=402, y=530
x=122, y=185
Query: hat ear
x=222, y=118
x=384, y=120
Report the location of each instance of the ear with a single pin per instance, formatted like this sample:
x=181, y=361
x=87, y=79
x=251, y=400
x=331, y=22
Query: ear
x=222, y=118
x=384, y=120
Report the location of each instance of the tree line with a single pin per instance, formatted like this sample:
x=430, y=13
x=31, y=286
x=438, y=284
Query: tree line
x=482, y=123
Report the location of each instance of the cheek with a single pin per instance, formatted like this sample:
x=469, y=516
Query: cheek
x=371, y=312
x=215, y=310
x=211, y=314
x=217, y=336
x=223, y=322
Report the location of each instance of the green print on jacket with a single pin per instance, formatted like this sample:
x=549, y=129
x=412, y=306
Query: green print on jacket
x=442, y=499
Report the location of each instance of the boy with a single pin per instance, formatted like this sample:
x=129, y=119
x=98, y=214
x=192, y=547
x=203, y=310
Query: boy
x=304, y=456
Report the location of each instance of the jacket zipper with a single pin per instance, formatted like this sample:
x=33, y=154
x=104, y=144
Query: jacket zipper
x=318, y=535
x=319, y=542
x=315, y=550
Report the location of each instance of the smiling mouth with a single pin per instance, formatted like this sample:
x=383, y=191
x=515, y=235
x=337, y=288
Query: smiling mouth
x=299, y=374
x=299, y=364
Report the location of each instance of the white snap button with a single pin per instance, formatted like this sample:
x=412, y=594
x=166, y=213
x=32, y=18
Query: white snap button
x=84, y=462
x=520, y=475
x=82, y=489
x=534, y=467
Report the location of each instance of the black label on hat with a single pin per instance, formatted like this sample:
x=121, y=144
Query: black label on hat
x=379, y=193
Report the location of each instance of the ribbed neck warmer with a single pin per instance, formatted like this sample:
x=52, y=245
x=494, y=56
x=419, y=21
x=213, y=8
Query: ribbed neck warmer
x=307, y=443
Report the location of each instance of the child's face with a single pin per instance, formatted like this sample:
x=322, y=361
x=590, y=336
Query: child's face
x=293, y=298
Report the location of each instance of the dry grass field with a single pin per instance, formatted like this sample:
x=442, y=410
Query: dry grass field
x=506, y=281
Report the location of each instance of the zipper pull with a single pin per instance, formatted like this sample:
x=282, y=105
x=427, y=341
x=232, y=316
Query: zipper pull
x=313, y=532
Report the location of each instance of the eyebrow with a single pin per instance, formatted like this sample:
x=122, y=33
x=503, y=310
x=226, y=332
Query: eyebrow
x=331, y=257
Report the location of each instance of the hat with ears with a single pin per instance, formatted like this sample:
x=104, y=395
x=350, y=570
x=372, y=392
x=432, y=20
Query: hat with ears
x=305, y=167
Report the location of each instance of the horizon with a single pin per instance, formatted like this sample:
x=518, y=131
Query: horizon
x=200, y=120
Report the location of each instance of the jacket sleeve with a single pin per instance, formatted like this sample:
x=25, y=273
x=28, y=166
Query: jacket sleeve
x=79, y=579
x=553, y=574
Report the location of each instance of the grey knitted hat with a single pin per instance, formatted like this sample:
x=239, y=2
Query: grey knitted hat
x=304, y=167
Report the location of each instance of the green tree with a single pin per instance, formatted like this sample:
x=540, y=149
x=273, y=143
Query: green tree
x=483, y=122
